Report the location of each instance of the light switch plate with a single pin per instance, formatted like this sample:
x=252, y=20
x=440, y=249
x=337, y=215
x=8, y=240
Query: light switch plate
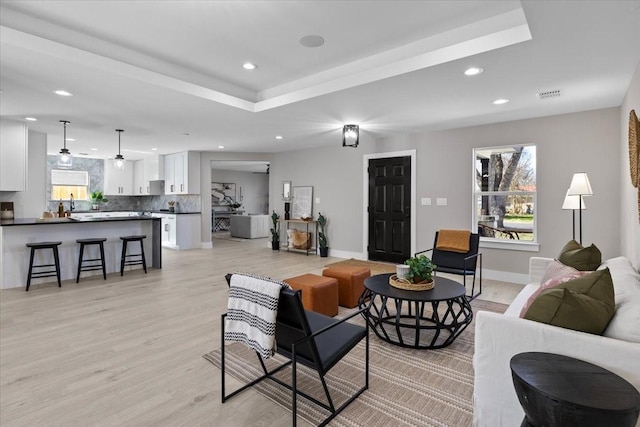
x=317, y=200
x=441, y=201
x=426, y=201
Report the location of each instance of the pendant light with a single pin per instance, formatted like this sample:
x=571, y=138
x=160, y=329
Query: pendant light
x=119, y=161
x=65, y=160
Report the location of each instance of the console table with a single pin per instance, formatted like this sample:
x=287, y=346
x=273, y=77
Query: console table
x=220, y=219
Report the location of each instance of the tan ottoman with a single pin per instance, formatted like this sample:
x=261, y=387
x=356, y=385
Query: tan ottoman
x=350, y=283
x=319, y=294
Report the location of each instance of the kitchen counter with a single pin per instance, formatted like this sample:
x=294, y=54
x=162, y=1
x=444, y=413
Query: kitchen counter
x=16, y=233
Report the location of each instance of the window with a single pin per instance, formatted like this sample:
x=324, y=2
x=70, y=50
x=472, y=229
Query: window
x=505, y=193
x=64, y=183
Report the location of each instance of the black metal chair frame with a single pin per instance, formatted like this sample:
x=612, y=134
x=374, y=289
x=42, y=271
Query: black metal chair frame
x=468, y=268
x=290, y=350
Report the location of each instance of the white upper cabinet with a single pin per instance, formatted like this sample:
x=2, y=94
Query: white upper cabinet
x=118, y=182
x=13, y=155
x=145, y=177
x=182, y=173
x=154, y=168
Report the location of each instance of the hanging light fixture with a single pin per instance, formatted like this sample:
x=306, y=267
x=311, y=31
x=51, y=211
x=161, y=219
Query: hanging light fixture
x=65, y=160
x=119, y=161
x=350, y=135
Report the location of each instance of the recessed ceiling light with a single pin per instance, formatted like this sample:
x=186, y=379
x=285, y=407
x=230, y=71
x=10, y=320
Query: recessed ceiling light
x=279, y=137
x=500, y=101
x=220, y=146
x=249, y=66
x=473, y=71
x=94, y=149
x=63, y=93
x=31, y=119
x=70, y=139
x=154, y=149
x=185, y=134
x=312, y=41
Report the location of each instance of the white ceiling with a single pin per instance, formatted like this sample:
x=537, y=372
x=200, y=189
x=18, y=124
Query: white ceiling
x=165, y=69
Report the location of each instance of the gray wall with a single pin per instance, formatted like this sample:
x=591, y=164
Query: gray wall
x=629, y=210
x=255, y=189
x=31, y=203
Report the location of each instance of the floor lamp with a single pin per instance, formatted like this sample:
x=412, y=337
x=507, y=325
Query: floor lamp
x=580, y=186
x=571, y=203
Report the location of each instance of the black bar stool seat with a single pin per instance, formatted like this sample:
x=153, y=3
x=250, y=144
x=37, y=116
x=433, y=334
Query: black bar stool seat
x=43, y=273
x=132, y=259
x=93, y=266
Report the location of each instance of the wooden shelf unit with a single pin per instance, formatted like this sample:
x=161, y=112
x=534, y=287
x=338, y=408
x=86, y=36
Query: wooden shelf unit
x=314, y=234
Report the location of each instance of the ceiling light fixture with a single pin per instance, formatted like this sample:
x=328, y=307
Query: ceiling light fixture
x=119, y=161
x=94, y=149
x=70, y=139
x=279, y=137
x=221, y=147
x=65, y=160
x=63, y=93
x=500, y=101
x=350, y=135
x=249, y=66
x=473, y=71
x=31, y=119
x=312, y=41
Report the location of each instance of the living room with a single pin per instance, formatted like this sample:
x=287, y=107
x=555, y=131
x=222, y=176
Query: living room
x=108, y=373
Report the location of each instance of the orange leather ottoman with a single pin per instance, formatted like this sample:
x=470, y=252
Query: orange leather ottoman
x=350, y=283
x=319, y=294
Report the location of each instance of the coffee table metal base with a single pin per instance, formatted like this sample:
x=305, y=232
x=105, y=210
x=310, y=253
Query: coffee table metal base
x=409, y=325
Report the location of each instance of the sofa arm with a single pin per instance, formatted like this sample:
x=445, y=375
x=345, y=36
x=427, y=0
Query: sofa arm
x=537, y=268
x=498, y=338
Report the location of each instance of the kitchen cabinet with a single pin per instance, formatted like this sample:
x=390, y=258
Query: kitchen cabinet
x=13, y=155
x=180, y=231
x=118, y=182
x=142, y=185
x=182, y=173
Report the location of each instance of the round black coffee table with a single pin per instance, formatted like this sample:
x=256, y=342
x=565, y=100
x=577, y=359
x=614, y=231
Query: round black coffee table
x=416, y=319
x=557, y=390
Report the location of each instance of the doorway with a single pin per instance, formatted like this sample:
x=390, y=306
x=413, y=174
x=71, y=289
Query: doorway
x=390, y=206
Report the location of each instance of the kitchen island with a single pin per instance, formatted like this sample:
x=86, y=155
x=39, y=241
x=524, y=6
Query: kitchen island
x=15, y=234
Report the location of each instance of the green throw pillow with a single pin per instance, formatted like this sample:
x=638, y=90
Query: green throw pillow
x=584, y=259
x=584, y=304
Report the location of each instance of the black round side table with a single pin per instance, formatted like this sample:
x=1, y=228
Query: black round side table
x=556, y=390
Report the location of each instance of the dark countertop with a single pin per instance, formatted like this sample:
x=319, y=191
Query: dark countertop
x=58, y=221
x=135, y=210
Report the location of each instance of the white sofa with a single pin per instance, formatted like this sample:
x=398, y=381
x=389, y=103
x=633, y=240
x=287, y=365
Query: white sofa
x=249, y=226
x=499, y=337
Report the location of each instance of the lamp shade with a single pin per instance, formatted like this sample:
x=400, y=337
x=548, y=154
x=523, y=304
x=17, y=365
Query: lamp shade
x=571, y=202
x=580, y=185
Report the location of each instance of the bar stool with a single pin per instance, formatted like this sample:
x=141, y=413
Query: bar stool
x=44, y=273
x=96, y=241
x=123, y=258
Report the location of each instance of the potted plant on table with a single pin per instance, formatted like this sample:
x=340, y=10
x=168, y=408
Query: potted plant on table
x=420, y=269
x=275, y=232
x=96, y=199
x=322, y=237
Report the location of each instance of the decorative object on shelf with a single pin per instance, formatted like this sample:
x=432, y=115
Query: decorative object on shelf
x=287, y=209
x=580, y=186
x=350, y=136
x=322, y=237
x=418, y=278
x=634, y=148
x=302, y=202
x=119, y=161
x=96, y=199
x=275, y=232
x=573, y=203
x=298, y=239
x=172, y=207
x=401, y=271
x=65, y=160
x=235, y=205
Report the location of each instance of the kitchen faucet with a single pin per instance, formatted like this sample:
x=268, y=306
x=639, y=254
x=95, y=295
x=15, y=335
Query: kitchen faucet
x=72, y=205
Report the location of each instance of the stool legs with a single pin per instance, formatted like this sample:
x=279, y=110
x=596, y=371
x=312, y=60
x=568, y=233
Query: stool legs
x=57, y=262
x=122, y=258
x=80, y=262
x=144, y=261
x=33, y=251
x=90, y=267
x=31, y=274
x=104, y=265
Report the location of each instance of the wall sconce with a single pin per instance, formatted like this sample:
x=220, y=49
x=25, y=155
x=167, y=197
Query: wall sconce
x=65, y=160
x=350, y=135
x=119, y=161
x=580, y=186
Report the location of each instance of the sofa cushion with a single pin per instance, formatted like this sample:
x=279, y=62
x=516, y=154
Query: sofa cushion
x=552, y=283
x=577, y=256
x=584, y=304
x=625, y=324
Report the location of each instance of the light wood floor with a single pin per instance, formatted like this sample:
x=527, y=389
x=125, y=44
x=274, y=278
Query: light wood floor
x=127, y=351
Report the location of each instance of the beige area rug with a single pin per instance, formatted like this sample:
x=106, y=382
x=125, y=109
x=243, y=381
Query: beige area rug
x=375, y=267
x=406, y=387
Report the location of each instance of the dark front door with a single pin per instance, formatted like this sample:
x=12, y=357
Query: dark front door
x=390, y=209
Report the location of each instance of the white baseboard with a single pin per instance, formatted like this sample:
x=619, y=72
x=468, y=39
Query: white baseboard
x=347, y=254
x=206, y=245
x=505, y=276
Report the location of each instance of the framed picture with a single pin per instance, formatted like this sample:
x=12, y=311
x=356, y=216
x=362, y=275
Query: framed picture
x=302, y=206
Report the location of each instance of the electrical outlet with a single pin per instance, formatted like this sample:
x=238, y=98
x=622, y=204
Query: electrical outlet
x=426, y=201
x=441, y=201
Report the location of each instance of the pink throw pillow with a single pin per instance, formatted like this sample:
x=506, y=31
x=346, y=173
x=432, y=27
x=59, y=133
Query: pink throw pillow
x=551, y=283
x=557, y=269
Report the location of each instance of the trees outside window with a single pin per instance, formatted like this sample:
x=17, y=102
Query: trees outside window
x=505, y=192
